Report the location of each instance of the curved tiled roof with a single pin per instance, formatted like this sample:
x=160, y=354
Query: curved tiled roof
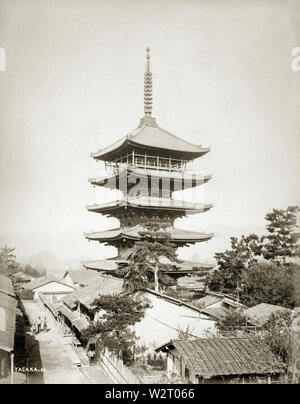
x=146, y=202
x=101, y=265
x=132, y=233
x=190, y=178
x=44, y=280
x=110, y=265
x=152, y=137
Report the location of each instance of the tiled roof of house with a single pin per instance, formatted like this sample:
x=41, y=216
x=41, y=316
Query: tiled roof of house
x=260, y=314
x=80, y=322
x=70, y=301
x=6, y=286
x=226, y=356
x=48, y=304
x=44, y=280
x=8, y=306
x=216, y=312
x=172, y=300
x=208, y=300
x=106, y=285
x=83, y=277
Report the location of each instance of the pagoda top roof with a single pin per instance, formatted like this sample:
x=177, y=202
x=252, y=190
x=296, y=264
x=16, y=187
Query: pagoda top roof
x=149, y=136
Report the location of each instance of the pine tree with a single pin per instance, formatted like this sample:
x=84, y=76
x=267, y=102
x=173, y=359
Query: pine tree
x=150, y=257
x=282, y=241
x=8, y=264
x=113, y=330
x=231, y=263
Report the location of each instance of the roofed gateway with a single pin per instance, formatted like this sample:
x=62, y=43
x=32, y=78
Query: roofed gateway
x=147, y=166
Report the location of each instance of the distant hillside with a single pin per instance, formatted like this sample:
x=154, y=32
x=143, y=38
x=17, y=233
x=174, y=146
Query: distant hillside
x=50, y=262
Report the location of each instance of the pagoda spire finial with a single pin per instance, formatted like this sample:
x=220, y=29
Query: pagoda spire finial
x=148, y=86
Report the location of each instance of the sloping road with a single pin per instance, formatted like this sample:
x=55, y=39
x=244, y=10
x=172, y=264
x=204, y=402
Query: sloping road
x=49, y=351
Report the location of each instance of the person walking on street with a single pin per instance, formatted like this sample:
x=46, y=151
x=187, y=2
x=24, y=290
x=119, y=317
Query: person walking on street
x=33, y=328
x=45, y=328
x=39, y=325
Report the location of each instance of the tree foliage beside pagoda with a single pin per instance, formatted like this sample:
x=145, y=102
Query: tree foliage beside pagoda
x=114, y=329
x=231, y=263
x=281, y=243
x=268, y=282
x=150, y=256
x=260, y=269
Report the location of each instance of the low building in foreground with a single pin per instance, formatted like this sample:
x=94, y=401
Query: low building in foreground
x=167, y=317
x=54, y=289
x=80, y=279
x=222, y=360
x=214, y=300
x=8, y=309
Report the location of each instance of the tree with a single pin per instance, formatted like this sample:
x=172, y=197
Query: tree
x=146, y=260
x=280, y=244
x=282, y=241
x=8, y=264
x=278, y=334
x=296, y=270
x=35, y=272
x=232, y=322
x=268, y=282
x=231, y=263
x=113, y=330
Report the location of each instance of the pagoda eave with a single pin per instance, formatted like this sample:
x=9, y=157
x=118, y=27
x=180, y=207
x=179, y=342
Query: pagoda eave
x=183, y=268
x=148, y=167
x=176, y=235
x=151, y=138
x=150, y=203
x=189, y=179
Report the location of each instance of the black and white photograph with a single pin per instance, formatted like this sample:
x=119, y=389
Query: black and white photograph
x=150, y=199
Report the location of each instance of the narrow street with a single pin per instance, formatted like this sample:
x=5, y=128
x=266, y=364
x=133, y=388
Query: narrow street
x=53, y=357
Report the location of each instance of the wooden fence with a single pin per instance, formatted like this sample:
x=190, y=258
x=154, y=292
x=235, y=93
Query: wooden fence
x=116, y=371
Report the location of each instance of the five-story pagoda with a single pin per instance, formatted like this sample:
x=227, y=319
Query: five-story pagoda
x=147, y=166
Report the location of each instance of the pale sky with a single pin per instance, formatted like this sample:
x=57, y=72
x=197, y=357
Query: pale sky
x=74, y=83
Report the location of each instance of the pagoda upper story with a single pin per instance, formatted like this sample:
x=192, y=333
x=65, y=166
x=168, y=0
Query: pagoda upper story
x=151, y=156
x=150, y=146
x=147, y=166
